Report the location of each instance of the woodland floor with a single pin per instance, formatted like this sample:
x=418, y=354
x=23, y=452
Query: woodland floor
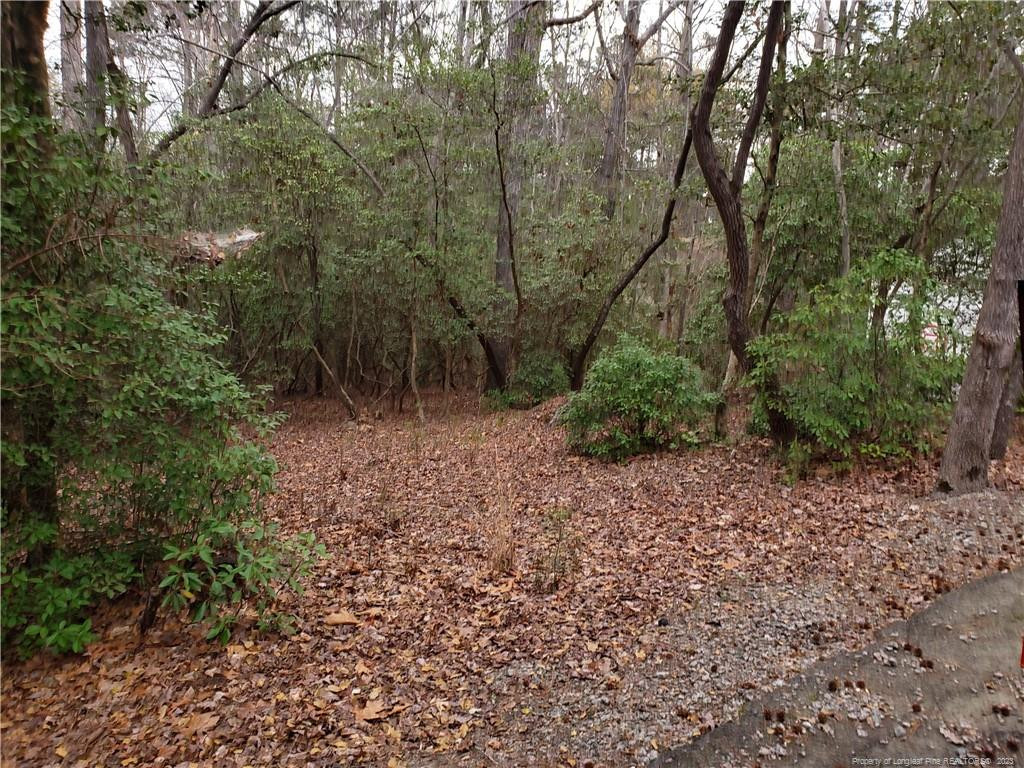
x=686, y=583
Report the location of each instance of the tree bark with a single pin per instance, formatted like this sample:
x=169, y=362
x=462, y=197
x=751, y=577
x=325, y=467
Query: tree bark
x=726, y=191
x=71, y=62
x=610, y=172
x=264, y=11
x=837, y=150
x=96, y=56
x=525, y=32
x=1007, y=409
x=970, y=440
x=775, y=115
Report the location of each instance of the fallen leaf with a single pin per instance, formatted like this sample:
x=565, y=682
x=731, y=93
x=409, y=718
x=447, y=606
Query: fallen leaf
x=340, y=617
x=199, y=723
x=374, y=710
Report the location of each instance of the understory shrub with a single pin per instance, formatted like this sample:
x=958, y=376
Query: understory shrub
x=131, y=457
x=539, y=377
x=853, y=386
x=635, y=401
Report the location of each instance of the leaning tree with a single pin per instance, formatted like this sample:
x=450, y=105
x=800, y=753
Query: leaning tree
x=970, y=444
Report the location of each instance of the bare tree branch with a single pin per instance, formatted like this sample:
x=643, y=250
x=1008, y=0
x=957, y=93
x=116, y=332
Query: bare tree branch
x=579, y=361
x=604, y=49
x=573, y=19
x=272, y=82
x=330, y=136
x=764, y=73
x=743, y=57
x=266, y=10
x=657, y=23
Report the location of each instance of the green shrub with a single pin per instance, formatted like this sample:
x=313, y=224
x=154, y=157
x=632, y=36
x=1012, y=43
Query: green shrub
x=539, y=377
x=125, y=441
x=852, y=388
x=636, y=401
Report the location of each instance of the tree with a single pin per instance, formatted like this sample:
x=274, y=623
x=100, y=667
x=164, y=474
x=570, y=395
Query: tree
x=609, y=173
x=71, y=61
x=726, y=189
x=525, y=32
x=32, y=491
x=969, y=444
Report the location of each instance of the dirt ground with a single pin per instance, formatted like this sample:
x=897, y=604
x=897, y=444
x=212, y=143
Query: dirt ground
x=506, y=603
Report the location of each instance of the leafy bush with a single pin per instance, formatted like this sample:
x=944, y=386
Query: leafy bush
x=125, y=441
x=539, y=377
x=850, y=385
x=231, y=565
x=47, y=606
x=635, y=401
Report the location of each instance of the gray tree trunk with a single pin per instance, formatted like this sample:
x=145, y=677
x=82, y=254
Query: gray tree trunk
x=969, y=444
x=837, y=149
x=525, y=32
x=1007, y=409
x=609, y=174
x=95, y=70
x=71, y=62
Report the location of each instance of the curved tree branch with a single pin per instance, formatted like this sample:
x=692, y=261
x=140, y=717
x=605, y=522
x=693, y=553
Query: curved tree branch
x=265, y=11
x=579, y=361
x=573, y=19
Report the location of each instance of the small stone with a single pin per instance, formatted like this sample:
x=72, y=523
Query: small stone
x=899, y=731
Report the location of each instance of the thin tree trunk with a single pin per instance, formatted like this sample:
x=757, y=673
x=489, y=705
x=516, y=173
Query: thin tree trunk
x=1008, y=409
x=413, y=384
x=610, y=172
x=837, y=150
x=120, y=88
x=844, y=216
x=349, y=405
x=775, y=115
x=578, y=361
x=726, y=191
x=71, y=62
x=95, y=72
x=970, y=441
x=525, y=32
x=819, y=27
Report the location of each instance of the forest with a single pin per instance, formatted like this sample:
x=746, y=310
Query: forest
x=511, y=382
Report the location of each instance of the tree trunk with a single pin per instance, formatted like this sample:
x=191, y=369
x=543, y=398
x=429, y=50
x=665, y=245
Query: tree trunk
x=95, y=72
x=1008, y=409
x=120, y=88
x=578, y=361
x=413, y=363
x=726, y=191
x=578, y=357
x=31, y=490
x=837, y=151
x=609, y=174
x=775, y=115
x=970, y=440
x=525, y=32
x=71, y=62
x=819, y=27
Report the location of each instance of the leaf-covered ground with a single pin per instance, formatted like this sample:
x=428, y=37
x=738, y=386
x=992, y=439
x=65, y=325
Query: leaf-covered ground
x=491, y=599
